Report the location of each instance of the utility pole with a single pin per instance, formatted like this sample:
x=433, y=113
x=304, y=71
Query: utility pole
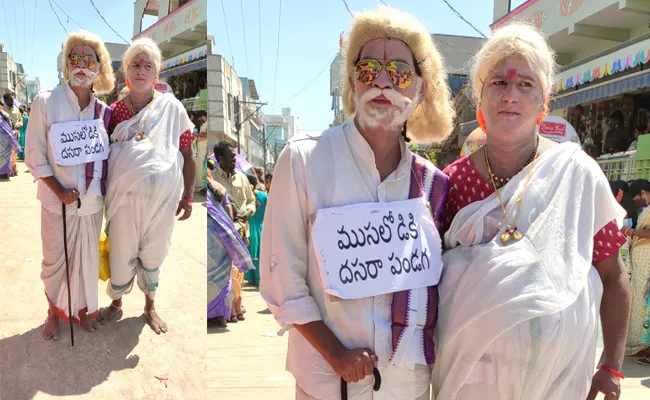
x=238, y=125
x=264, y=144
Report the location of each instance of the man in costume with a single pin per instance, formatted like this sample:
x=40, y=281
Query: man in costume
x=395, y=88
x=80, y=187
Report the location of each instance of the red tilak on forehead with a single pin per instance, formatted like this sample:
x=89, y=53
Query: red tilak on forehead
x=511, y=74
x=141, y=61
x=385, y=48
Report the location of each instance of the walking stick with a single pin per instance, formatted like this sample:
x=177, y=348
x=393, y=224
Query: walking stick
x=67, y=267
x=375, y=387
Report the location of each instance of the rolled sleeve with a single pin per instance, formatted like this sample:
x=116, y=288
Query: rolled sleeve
x=36, y=142
x=284, y=246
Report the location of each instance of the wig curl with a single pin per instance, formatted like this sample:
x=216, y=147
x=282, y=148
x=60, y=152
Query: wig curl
x=514, y=40
x=432, y=119
x=105, y=81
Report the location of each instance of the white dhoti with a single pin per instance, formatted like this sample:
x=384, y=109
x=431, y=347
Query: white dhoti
x=83, y=252
x=141, y=232
x=145, y=183
x=519, y=321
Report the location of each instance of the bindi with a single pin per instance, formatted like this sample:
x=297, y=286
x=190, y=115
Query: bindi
x=385, y=49
x=141, y=61
x=511, y=74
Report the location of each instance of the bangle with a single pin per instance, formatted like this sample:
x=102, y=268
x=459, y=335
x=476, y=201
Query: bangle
x=188, y=200
x=612, y=371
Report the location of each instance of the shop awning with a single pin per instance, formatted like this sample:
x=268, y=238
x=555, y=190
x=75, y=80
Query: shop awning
x=608, y=89
x=193, y=66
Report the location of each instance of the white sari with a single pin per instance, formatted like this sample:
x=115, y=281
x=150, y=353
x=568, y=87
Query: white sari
x=145, y=182
x=520, y=321
x=131, y=161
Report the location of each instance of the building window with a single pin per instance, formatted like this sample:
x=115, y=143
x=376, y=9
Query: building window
x=228, y=109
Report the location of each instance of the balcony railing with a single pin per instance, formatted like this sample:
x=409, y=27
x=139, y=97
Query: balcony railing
x=194, y=104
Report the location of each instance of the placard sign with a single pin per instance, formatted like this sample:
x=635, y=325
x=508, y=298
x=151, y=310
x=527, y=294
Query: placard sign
x=369, y=249
x=79, y=142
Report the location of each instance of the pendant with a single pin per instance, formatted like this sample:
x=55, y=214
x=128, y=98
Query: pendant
x=505, y=237
x=140, y=136
x=511, y=233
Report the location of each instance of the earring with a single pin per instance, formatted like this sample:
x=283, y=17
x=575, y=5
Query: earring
x=128, y=84
x=481, y=120
x=544, y=113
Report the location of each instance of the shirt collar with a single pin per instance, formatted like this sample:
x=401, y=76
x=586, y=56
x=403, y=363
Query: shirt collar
x=362, y=150
x=225, y=174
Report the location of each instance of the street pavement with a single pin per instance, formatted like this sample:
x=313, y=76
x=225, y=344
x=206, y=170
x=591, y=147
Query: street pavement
x=246, y=360
x=123, y=360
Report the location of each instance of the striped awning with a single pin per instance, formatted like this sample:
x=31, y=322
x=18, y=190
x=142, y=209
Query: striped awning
x=606, y=90
x=189, y=67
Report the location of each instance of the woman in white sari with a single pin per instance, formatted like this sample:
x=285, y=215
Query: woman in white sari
x=532, y=240
x=151, y=171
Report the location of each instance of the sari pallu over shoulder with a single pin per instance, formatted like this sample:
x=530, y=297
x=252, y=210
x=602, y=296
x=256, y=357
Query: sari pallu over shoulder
x=131, y=160
x=8, y=142
x=487, y=288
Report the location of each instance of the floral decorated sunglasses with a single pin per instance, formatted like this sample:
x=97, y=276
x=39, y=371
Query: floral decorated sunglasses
x=89, y=60
x=368, y=70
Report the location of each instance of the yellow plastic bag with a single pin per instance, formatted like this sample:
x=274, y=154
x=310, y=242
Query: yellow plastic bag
x=104, y=265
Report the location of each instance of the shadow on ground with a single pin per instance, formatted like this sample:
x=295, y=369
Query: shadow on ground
x=30, y=365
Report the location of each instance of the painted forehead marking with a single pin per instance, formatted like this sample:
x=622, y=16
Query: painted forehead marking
x=141, y=61
x=385, y=49
x=511, y=74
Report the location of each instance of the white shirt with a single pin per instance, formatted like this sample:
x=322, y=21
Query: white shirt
x=333, y=169
x=50, y=107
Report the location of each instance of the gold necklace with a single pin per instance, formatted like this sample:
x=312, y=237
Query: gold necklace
x=132, y=108
x=511, y=230
x=141, y=135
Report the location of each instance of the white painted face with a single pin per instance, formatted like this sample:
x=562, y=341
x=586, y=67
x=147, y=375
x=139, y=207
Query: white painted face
x=512, y=98
x=83, y=66
x=382, y=103
x=142, y=73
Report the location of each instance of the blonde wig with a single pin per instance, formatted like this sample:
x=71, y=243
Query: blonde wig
x=515, y=40
x=105, y=81
x=430, y=120
x=142, y=45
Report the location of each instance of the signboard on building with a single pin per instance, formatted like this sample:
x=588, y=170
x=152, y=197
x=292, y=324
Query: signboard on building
x=185, y=18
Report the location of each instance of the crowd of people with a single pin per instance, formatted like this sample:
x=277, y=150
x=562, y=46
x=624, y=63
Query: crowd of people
x=634, y=197
x=12, y=135
x=236, y=208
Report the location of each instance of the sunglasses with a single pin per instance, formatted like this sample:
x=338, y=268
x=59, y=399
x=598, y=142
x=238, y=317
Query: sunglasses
x=89, y=61
x=400, y=73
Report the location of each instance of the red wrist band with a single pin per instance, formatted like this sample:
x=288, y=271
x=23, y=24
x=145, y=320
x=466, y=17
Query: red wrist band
x=613, y=372
x=188, y=200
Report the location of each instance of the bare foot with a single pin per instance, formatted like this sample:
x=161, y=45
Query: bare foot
x=111, y=313
x=157, y=325
x=87, y=323
x=51, y=327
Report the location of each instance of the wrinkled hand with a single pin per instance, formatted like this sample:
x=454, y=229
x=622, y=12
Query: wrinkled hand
x=629, y=232
x=186, y=207
x=354, y=365
x=604, y=382
x=68, y=196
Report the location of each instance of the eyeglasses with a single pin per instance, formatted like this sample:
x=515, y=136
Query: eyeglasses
x=89, y=61
x=400, y=73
